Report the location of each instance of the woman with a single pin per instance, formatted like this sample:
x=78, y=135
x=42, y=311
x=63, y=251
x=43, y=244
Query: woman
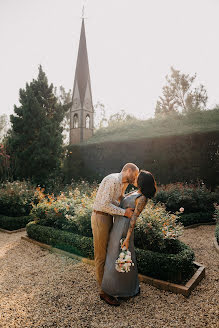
x=126, y=284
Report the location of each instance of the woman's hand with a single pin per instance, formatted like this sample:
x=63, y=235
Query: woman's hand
x=125, y=243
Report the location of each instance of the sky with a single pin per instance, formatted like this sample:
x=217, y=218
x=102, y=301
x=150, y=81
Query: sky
x=131, y=46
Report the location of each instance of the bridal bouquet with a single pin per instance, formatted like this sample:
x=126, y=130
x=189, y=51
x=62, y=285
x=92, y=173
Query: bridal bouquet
x=124, y=261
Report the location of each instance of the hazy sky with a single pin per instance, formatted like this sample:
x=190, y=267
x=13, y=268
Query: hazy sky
x=131, y=46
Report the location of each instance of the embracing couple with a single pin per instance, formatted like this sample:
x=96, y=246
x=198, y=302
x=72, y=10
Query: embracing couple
x=113, y=219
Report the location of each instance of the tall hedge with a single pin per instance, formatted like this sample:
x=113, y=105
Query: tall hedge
x=184, y=158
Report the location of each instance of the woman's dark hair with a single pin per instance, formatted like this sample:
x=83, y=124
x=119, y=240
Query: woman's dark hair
x=146, y=184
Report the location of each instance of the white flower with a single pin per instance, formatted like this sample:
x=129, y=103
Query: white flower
x=181, y=209
x=128, y=258
x=122, y=255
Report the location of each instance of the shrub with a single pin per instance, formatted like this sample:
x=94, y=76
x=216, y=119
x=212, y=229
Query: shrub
x=216, y=216
x=194, y=218
x=193, y=199
x=157, y=230
x=65, y=240
x=13, y=223
x=172, y=267
x=16, y=198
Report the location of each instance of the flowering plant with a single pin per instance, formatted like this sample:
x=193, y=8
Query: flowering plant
x=124, y=261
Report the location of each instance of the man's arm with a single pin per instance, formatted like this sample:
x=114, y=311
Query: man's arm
x=106, y=201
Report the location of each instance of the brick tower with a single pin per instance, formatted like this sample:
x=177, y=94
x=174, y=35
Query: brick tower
x=81, y=112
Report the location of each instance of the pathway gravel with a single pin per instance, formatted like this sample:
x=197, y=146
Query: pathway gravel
x=40, y=289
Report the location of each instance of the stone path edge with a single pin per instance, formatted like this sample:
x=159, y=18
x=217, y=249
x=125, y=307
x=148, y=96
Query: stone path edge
x=12, y=231
x=216, y=246
x=161, y=284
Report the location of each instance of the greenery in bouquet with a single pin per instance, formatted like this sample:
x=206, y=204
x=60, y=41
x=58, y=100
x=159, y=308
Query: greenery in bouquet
x=157, y=229
x=192, y=198
x=16, y=198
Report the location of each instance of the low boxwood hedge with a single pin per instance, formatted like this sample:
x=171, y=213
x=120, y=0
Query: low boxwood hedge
x=217, y=232
x=171, y=267
x=13, y=223
x=194, y=218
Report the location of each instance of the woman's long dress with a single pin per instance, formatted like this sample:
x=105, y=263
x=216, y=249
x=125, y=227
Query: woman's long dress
x=116, y=283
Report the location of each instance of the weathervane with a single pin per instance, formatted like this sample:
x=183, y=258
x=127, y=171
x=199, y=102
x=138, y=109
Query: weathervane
x=83, y=9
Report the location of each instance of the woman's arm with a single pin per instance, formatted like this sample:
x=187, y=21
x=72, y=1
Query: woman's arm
x=140, y=204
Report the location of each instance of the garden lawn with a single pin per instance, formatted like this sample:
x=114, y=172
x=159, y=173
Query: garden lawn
x=42, y=289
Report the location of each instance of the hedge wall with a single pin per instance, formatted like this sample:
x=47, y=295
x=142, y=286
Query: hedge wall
x=173, y=267
x=13, y=223
x=171, y=159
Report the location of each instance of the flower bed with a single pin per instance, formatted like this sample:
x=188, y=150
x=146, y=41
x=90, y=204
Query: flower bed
x=176, y=267
x=16, y=199
x=197, y=202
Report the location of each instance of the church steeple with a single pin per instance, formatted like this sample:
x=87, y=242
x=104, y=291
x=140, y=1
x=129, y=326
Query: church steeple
x=81, y=118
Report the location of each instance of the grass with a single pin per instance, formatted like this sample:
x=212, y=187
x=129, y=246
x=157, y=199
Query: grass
x=204, y=121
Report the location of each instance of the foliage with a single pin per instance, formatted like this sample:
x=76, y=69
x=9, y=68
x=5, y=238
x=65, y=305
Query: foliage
x=64, y=240
x=159, y=126
x=35, y=140
x=157, y=230
x=192, y=198
x=172, y=267
x=16, y=198
x=4, y=163
x=196, y=218
x=13, y=222
x=178, y=95
x=3, y=126
x=70, y=211
x=216, y=216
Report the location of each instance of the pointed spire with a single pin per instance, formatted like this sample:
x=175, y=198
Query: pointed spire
x=82, y=74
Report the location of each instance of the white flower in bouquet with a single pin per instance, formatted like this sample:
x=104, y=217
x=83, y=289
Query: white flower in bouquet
x=124, y=261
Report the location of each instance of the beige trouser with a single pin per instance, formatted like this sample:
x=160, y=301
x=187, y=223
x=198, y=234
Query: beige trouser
x=101, y=226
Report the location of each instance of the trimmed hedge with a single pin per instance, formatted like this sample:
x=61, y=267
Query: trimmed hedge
x=194, y=218
x=217, y=232
x=13, y=223
x=64, y=240
x=173, y=267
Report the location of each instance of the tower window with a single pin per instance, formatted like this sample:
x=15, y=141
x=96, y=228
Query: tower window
x=75, y=121
x=87, y=122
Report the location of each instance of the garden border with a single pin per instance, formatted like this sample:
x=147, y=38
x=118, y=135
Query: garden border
x=215, y=243
x=12, y=231
x=161, y=284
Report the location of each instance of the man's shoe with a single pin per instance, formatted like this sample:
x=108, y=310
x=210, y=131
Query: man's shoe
x=109, y=299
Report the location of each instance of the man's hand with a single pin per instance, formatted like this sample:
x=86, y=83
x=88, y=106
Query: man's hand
x=129, y=212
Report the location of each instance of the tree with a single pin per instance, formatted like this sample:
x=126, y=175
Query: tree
x=100, y=119
x=35, y=139
x=120, y=117
x=180, y=96
x=65, y=99
x=3, y=126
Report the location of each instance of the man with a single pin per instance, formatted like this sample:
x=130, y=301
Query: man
x=106, y=205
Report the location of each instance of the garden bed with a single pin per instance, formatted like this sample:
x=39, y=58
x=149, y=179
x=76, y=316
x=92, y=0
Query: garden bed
x=185, y=289
x=176, y=268
x=13, y=223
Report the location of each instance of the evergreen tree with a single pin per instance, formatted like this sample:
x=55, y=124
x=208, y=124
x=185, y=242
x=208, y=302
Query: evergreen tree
x=35, y=139
x=180, y=96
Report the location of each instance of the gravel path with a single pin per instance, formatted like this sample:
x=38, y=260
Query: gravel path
x=41, y=289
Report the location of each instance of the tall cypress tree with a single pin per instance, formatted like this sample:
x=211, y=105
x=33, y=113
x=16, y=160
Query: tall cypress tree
x=35, y=139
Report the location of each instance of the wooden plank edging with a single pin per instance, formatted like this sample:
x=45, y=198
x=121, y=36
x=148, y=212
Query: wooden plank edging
x=12, y=231
x=161, y=284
